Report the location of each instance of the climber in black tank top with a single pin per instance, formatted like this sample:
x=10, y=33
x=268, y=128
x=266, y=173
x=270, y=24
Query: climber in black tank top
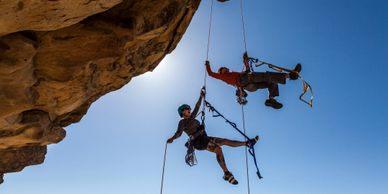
x=193, y=128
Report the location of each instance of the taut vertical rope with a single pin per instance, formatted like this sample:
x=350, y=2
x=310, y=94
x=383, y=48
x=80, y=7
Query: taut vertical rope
x=209, y=32
x=207, y=58
x=243, y=25
x=208, y=39
x=246, y=151
x=164, y=165
x=242, y=106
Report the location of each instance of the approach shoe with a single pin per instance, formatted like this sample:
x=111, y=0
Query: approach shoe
x=273, y=103
x=228, y=176
x=294, y=74
x=253, y=141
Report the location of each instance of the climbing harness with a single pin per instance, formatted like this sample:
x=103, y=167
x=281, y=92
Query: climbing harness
x=251, y=149
x=306, y=87
x=190, y=157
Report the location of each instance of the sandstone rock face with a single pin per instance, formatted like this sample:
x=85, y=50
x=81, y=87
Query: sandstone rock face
x=43, y=15
x=59, y=56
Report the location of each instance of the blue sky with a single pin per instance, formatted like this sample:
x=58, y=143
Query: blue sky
x=338, y=147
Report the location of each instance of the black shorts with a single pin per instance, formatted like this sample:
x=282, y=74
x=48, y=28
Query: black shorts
x=263, y=78
x=201, y=142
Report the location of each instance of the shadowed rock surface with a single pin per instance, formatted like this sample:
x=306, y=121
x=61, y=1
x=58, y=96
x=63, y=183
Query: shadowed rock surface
x=47, y=15
x=58, y=57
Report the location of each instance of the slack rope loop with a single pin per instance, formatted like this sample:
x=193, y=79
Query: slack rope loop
x=306, y=86
x=190, y=157
x=251, y=149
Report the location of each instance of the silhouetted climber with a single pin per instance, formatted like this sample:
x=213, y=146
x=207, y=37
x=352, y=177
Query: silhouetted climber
x=252, y=81
x=199, y=139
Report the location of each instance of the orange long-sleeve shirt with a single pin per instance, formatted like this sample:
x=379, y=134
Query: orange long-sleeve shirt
x=231, y=78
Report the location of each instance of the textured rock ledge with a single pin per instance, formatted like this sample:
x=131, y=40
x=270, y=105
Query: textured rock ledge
x=68, y=55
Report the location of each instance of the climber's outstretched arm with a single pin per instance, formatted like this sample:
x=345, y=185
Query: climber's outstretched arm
x=177, y=134
x=210, y=72
x=198, y=104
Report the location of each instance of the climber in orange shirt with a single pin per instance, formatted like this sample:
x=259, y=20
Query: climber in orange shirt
x=252, y=81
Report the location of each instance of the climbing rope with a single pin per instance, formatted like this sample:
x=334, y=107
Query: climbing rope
x=208, y=40
x=190, y=157
x=207, y=58
x=246, y=152
x=209, y=30
x=164, y=165
x=244, y=101
x=243, y=25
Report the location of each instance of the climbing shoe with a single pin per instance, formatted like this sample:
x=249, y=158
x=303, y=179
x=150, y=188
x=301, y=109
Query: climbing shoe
x=228, y=176
x=252, y=141
x=294, y=74
x=273, y=103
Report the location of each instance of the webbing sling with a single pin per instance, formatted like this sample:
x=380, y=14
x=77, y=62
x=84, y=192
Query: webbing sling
x=306, y=86
x=251, y=149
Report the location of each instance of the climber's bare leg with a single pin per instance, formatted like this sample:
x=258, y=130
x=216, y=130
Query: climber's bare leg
x=212, y=147
x=228, y=176
x=228, y=142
